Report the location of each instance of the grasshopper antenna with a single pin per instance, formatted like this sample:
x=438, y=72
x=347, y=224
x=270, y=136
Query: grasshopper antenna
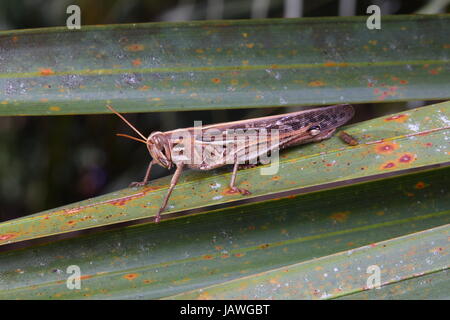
x=130, y=137
x=126, y=121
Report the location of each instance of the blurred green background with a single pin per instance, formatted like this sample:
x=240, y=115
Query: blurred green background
x=46, y=162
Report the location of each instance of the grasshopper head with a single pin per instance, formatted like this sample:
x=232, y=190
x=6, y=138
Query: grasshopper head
x=158, y=146
x=157, y=143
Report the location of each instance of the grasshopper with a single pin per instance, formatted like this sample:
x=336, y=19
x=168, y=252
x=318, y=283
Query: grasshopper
x=211, y=146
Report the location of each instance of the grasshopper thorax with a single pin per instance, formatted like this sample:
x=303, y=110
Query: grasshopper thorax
x=159, y=147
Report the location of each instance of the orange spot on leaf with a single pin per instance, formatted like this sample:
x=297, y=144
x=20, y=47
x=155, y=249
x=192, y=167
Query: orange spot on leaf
x=7, y=236
x=400, y=118
x=144, y=88
x=316, y=83
x=274, y=280
x=388, y=165
x=420, y=185
x=436, y=250
x=386, y=148
x=131, y=276
x=72, y=211
x=392, y=89
x=318, y=268
x=340, y=216
x=382, y=96
x=434, y=71
x=204, y=296
x=229, y=191
x=46, y=71
x=136, y=62
x=124, y=200
x=330, y=64
x=134, y=47
x=407, y=158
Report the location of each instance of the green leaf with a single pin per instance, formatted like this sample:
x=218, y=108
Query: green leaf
x=223, y=64
x=330, y=211
x=431, y=286
x=345, y=273
x=193, y=252
x=391, y=144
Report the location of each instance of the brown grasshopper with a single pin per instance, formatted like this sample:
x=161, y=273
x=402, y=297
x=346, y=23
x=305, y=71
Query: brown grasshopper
x=211, y=147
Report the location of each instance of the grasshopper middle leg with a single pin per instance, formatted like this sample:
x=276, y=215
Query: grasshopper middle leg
x=173, y=183
x=233, y=187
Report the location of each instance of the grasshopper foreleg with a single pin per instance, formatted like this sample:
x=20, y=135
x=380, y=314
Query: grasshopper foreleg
x=146, y=178
x=173, y=183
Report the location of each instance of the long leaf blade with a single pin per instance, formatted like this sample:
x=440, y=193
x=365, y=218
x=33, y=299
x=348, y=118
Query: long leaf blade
x=409, y=140
x=256, y=63
x=181, y=255
x=343, y=273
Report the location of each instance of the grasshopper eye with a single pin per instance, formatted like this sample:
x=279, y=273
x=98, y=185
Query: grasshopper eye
x=314, y=130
